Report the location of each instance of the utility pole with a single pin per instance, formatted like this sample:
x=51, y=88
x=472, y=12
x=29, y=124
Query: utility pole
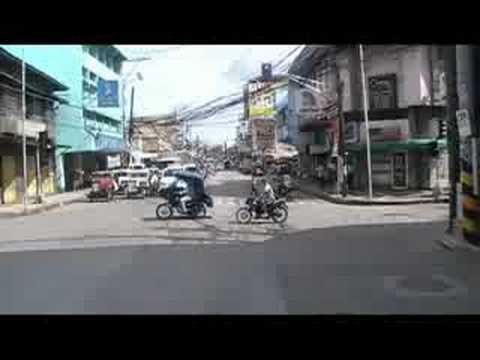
x=452, y=131
x=468, y=75
x=341, y=163
x=24, y=136
x=130, y=126
x=367, y=128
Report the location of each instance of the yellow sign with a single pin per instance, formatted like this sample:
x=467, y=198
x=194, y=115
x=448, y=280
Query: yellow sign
x=261, y=110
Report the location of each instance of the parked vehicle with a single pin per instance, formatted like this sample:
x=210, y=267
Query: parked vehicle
x=196, y=207
x=137, y=185
x=277, y=211
x=121, y=177
x=168, y=178
x=103, y=186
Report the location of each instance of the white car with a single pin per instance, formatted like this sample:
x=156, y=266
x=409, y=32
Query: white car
x=192, y=168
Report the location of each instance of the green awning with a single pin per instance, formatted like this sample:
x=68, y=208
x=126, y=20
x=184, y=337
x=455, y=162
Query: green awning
x=398, y=145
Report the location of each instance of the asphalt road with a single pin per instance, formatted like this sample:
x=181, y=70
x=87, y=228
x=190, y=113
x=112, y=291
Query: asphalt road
x=117, y=258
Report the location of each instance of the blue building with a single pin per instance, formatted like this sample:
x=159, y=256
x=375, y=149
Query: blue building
x=80, y=124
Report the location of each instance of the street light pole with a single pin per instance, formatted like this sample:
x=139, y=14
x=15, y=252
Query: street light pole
x=124, y=88
x=367, y=132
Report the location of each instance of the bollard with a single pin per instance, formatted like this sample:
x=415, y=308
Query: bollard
x=471, y=203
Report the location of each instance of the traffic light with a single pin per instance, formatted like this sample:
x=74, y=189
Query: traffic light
x=442, y=129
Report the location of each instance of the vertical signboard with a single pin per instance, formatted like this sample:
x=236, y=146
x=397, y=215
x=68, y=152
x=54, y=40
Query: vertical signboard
x=107, y=93
x=399, y=171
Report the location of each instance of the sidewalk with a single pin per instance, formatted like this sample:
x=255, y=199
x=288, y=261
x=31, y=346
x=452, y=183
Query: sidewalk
x=49, y=202
x=379, y=197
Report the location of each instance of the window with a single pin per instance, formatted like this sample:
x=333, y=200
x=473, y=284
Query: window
x=92, y=51
x=109, y=62
x=382, y=91
x=102, y=56
x=93, y=77
x=85, y=73
x=117, y=66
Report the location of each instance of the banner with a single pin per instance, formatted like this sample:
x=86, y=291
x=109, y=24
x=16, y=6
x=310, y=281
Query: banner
x=113, y=161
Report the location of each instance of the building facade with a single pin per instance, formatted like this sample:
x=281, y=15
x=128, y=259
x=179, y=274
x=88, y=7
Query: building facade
x=156, y=134
x=39, y=127
x=81, y=124
x=406, y=93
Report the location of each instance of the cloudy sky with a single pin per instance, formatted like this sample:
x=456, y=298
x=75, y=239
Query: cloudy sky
x=194, y=74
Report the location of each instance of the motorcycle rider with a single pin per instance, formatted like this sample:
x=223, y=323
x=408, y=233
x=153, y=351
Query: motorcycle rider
x=180, y=188
x=266, y=197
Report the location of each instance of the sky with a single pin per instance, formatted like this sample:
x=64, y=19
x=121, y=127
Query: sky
x=194, y=74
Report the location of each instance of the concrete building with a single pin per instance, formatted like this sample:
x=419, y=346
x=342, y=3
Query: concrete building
x=404, y=121
x=156, y=134
x=40, y=130
x=81, y=125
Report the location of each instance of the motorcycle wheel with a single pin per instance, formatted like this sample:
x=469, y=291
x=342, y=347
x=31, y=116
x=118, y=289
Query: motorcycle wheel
x=163, y=211
x=243, y=215
x=279, y=215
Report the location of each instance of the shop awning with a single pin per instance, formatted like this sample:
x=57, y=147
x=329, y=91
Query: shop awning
x=398, y=145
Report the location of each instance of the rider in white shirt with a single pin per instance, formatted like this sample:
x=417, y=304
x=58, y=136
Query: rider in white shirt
x=182, y=188
x=267, y=196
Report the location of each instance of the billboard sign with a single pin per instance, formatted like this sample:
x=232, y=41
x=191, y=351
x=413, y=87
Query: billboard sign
x=261, y=103
x=108, y=93
x=263, y=133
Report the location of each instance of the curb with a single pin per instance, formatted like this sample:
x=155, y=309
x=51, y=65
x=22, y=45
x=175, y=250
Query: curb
x=44, y=208
x=452, y=242
x=331, y=199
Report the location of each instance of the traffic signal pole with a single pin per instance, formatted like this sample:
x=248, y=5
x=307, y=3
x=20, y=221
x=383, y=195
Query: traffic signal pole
x=468, y=90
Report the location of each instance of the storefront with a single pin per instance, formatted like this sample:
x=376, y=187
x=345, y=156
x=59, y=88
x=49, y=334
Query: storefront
x=398, y=161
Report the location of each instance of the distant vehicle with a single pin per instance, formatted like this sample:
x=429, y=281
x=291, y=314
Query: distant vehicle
x=165, y=162
x=168, y=178
x=192, y=168
x=121, y=177
x=103, y=186
x=137, y=182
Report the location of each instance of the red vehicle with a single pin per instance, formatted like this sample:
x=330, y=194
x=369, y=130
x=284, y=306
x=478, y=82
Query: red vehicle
x=103, y=186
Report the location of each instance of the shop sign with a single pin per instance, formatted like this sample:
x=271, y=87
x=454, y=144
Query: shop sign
x=351, y=132
x=464, y=123
x=399, y=168
x=264, y=133
x=386, y=130
x=113, y=161
x=315, y=149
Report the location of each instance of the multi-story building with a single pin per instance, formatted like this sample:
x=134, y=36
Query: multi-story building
x=82, y=126
x=39, y=127
x=156, y=134
x=406, y=95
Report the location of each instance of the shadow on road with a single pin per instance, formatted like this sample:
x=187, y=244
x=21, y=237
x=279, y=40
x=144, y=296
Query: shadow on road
x=153, y=218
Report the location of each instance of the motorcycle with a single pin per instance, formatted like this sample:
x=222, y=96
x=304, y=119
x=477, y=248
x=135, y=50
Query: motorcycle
x=195, y=207
x=277, y=211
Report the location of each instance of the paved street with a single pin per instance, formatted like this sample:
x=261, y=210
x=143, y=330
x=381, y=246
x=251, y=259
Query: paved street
x=118, y=258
